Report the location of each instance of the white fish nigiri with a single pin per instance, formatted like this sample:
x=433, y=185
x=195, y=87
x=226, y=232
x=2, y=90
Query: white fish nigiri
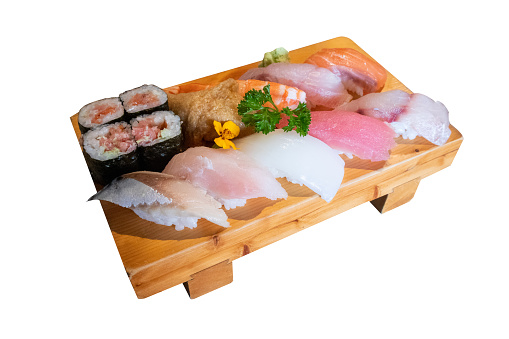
x=163, y=199
x=302, y=160
x=228, y=175
x=322, y=87
x=425, y=117
x=410, y=115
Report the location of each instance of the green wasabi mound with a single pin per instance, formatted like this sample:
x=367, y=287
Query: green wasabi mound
x=278, y=55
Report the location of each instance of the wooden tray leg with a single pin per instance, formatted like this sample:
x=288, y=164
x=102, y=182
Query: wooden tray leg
x=209, y=279
x=400, y=195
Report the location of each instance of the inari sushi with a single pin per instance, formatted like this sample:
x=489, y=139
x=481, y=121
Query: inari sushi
x=159, y=138
x=144, y=100
x=100, y=112
x=110, y=150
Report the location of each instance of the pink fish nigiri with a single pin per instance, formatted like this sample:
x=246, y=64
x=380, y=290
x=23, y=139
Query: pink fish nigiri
x=229, y=176
x=353, y=133
x=322, y=87
x=409, y=114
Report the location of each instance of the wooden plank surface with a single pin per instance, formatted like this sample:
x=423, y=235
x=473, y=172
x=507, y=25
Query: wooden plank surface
x=157, y=257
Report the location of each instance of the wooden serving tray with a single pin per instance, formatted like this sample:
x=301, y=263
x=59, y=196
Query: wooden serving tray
x=157, y=257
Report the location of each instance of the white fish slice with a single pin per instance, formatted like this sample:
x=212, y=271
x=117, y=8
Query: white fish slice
x=322, y=87
x=163, y=199
x=229, y=176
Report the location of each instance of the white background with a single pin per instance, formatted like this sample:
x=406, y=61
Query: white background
x=436, y=267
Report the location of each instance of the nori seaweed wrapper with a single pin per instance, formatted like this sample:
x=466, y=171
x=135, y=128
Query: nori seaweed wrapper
x=143, y=90
x=156, y=157
x=86, y=113
x=103, y=172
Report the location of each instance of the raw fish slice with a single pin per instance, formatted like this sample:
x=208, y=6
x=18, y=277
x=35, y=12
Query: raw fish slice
x=302, y=160
x=353, y=133
x=322, y=87
x=425, y=117
x=410, y=115
x=386, y=106
x=359, y=74
x=163, y=199
x=227, y=175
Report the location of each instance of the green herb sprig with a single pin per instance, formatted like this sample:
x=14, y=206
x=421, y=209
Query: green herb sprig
x=264, y=119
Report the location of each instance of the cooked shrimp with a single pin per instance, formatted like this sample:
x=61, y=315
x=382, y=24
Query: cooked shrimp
x=283, y=96
x=359, y=73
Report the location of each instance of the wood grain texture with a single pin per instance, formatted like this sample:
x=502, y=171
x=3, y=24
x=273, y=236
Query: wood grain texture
x=209, y=279
x=158, y=257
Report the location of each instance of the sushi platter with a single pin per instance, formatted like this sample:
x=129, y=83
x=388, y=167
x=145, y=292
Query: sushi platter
x=158, y=257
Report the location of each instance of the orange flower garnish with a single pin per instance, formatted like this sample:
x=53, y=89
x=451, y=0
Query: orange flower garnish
x=226, y=132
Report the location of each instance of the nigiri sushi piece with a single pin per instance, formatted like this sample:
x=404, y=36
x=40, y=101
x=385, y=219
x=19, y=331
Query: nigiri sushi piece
x=385, y=106
x=359, y=74
x=163, y=199
x=410, y=115
x=282, y=95
x=322, y=87
x=229, y=176
x=301, y=160
x=353, y=133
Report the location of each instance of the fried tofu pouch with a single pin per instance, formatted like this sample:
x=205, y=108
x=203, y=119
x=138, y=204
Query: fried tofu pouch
x=198, y=110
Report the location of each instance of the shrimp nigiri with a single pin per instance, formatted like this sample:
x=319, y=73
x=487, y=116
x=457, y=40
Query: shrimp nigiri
x=359, y=74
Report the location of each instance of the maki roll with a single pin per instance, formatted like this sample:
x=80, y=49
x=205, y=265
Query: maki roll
x=110, y=151
x=144, y=100
x=104, y=111
x=159, y=138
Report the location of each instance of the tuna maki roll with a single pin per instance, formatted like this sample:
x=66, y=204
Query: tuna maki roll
x=159, y=138
x=144, y=100
x=100, y=112
x=110, y=151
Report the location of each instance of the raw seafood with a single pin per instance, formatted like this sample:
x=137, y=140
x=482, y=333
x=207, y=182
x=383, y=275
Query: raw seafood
x=359, y=74
x=159, y=138
x=322, y=87
x=110, y=150
x=353, y=133
x=228, y=175
x=409, y=114
x=163, y=199
x=386, y=106
x=302, y=160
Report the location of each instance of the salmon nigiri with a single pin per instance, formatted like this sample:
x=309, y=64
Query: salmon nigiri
x=359, y=74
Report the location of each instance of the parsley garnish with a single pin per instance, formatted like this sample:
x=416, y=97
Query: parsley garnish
x=264, y=119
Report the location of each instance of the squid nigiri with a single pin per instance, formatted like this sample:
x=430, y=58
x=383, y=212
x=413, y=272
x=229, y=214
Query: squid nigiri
x=228, y=175
x=359, y=74
x=409, y=114
x=302, y=160
x=322, y=87
x=353, y=133
x=163, y=199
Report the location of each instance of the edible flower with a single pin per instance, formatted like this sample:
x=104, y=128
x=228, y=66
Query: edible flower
x=226, y=132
